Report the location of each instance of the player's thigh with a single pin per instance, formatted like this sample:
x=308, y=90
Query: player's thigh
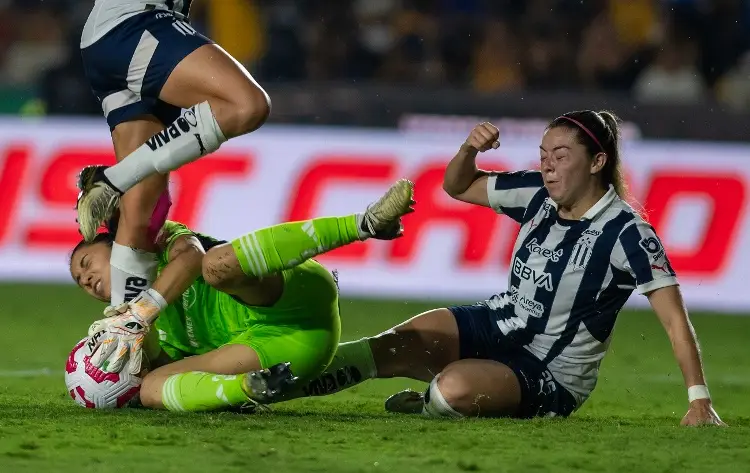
x=418, y=348
x=309, y=348
x=210, y=74
x=483, y=388
x=229, y=360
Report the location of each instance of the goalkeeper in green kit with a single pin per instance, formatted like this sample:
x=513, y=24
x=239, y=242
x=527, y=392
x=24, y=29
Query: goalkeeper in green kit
x=220, y=313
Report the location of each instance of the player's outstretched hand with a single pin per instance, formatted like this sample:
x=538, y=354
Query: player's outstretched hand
x=483, y=137
x=701, y=412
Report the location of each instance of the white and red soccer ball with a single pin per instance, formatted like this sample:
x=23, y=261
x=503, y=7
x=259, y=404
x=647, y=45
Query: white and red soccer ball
x=93, y=388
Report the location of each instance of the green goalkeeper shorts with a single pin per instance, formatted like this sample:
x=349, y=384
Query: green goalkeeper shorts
x=302, y=328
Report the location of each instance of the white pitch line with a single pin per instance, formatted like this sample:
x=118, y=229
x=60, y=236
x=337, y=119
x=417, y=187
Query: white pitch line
x=29, y=373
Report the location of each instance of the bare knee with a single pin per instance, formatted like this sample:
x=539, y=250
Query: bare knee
x=457, y=392
x=244, y=111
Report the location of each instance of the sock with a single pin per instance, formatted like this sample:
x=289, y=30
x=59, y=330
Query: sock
x=435, y=404
x=194, y=134
x=352, y=364
x=273, y=249
x=197, y=391
x=131, y=271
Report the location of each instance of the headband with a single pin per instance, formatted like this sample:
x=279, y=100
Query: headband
x=588, y=132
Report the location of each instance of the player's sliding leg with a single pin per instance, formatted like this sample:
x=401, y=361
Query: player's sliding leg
x=352, y=364
x=418, y=349
x=284, y=246
x=221, y=100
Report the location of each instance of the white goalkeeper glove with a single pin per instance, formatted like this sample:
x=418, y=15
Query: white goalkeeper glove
x=125, y=328
x=121, y=346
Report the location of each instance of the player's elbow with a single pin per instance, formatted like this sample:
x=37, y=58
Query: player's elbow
x=216, y=272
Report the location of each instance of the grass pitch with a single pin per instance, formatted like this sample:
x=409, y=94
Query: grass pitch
x=629, y=424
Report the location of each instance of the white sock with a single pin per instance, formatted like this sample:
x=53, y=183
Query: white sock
x=131, y=271
x=352, y=364
x=435, y=404
x=194, y=134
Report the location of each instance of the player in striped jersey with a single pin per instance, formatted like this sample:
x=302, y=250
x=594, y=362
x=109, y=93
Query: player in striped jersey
x=170, y=95
x=535, y=349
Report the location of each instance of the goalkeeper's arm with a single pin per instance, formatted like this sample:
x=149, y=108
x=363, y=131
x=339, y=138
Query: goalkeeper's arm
x=184, y=267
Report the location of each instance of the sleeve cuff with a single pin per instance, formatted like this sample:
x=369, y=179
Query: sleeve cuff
x=657, y=284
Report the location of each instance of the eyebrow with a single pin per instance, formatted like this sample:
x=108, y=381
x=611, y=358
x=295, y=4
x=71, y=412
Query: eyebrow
x=555, y=148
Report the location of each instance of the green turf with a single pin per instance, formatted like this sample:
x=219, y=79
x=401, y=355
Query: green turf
x=629, y=424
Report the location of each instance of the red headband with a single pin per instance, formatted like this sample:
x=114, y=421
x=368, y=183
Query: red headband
x=588, y=132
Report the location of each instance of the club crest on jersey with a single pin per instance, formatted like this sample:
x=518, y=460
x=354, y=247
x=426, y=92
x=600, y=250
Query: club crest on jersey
x=581, y=254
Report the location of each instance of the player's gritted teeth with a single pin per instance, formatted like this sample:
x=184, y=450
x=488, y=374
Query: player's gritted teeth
x=98, y=288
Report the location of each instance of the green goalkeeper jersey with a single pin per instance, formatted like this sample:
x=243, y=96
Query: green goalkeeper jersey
x=201, y=320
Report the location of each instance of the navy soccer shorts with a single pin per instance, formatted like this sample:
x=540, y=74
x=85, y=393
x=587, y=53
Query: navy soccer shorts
x=541, y=394
x=128, y=66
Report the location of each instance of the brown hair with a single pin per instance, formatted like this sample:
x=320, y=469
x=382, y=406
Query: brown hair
x=598, y=132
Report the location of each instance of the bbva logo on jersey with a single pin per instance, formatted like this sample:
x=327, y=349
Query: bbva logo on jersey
x=527, y=273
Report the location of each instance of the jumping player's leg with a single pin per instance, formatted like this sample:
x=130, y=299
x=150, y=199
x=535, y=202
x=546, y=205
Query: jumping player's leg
x=136, y=70
x=221, y=99
x=134, y=251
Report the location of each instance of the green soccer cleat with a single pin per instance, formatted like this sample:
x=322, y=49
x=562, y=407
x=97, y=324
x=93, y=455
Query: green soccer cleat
x=97, y=201
x=405, y=402
x=382, y=219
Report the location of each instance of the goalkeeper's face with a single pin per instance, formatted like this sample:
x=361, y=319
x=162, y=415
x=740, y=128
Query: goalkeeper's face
x=89, y=266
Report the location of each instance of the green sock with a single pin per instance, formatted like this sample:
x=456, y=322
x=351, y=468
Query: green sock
x=273, y=249
x=197, y=391
x=352, y=364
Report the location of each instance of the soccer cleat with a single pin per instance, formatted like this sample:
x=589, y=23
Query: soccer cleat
x=382, y=219
x=405, y=402
x=263, y=386
x=97, y=201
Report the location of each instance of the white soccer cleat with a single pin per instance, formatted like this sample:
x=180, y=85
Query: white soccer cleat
x=382, y=219
x=405, y=402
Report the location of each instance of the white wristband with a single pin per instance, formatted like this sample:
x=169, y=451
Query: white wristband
x=148, y=304
x=698, y=391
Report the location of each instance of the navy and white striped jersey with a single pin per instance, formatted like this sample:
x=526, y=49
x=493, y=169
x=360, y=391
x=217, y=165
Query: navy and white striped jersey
x=107, y=14
x=569, y=279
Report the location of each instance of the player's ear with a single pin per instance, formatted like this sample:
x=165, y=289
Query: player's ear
x=598, y=163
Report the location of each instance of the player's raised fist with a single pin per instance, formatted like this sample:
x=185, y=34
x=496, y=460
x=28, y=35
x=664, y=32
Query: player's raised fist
x=483, y=137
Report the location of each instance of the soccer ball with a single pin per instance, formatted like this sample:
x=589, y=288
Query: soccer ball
x=93, y=388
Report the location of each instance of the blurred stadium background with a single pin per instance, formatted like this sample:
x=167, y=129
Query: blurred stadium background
x=367, y=91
